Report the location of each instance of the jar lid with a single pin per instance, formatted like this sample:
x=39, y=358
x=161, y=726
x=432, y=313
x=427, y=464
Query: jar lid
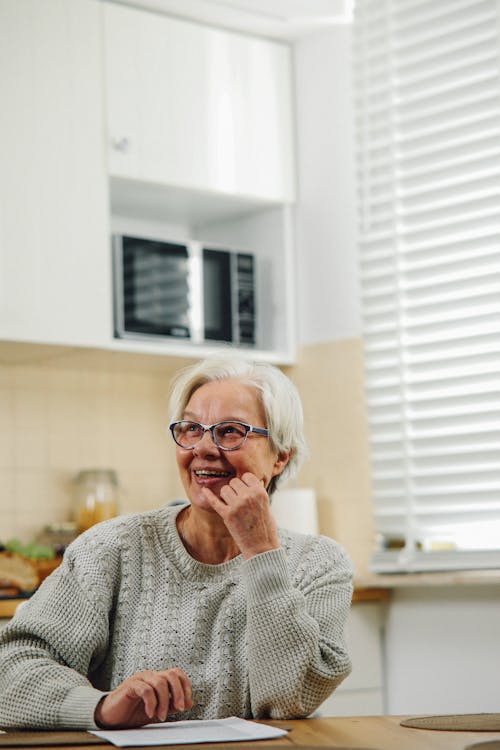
x=62, y=527
x=96, y=475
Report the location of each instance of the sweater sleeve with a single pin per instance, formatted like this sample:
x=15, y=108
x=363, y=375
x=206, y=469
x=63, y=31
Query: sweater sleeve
x=50, y=646
x=296, y=650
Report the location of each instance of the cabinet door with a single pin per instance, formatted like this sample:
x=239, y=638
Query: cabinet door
x=197, y=107
x=362, y=693
x=54, y=257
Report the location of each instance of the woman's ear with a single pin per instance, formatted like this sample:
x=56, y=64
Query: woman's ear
x=281, y=461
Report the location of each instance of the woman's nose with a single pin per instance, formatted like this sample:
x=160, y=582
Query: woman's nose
x=206, y=445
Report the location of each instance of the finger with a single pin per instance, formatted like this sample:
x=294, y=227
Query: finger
x=160, y=685
x=176, y=691
x=231, y=490
x=181, y=696
x=143, y=691
x=188, y=690
x=241, y=485
x=185, y=683
x=217, y=504
x=251, y=480
x=237, y=489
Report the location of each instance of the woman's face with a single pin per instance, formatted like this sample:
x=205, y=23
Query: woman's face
x=206, y=465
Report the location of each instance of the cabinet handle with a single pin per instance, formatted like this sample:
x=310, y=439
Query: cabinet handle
x=121, y=144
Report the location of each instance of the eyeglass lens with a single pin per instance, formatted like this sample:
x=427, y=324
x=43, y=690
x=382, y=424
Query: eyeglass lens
x=229, y=435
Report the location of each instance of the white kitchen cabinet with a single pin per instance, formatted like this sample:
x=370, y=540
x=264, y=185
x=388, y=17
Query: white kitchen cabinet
x=54, y=257
x=362, y=693
x=200, y=146
x=207, y=154
x=196, y=107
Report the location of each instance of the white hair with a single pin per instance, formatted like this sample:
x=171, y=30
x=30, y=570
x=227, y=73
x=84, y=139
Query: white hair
x=278, y=396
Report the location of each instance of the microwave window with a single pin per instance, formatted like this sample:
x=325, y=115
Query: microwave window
x=155, y=287
x=217, y=295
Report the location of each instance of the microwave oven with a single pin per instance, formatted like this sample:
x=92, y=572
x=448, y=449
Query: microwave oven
x=183, y=290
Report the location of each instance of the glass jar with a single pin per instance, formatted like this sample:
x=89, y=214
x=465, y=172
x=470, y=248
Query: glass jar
x=96, y=497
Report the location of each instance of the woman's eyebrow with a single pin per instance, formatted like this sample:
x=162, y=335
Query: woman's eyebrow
x=192, y=415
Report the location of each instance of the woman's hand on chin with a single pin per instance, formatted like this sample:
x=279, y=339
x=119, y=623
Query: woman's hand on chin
x=244, y=507
x=143, y=698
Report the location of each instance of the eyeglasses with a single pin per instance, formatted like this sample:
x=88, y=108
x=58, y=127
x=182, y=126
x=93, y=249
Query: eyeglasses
x=226, y=435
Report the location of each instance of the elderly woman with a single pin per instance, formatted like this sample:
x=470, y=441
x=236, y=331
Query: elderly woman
x=199, y=610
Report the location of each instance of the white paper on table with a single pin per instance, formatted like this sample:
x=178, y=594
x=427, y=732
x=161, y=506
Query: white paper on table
x=231, y=729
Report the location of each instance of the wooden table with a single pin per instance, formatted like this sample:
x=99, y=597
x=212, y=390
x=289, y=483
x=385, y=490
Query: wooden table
x=378, y=733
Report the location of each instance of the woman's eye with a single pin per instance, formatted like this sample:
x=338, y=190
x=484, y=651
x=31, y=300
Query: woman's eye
x=232, y=430
x=189, y=428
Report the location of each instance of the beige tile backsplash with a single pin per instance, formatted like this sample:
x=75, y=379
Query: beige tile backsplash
x=55, y=421
x=329, y=376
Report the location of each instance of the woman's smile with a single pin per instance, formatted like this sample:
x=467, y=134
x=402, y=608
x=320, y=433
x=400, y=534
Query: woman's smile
x=211, y=477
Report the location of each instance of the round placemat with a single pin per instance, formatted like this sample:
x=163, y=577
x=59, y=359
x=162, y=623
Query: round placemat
x=456, y=722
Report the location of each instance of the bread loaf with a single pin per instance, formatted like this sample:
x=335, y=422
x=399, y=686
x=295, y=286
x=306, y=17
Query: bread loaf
x=17, y=571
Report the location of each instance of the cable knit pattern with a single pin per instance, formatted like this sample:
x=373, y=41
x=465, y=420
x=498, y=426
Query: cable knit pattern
x=257, y=638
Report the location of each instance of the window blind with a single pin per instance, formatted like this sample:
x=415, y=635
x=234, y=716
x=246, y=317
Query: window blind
x=427, y=89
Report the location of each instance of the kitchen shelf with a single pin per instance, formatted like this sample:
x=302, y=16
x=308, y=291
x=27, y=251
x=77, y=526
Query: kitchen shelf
x=152, y=201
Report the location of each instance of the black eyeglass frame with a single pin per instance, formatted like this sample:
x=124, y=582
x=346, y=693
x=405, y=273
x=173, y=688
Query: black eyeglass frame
x=211, y=428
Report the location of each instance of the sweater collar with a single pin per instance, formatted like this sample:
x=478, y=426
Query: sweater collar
x=187, y=565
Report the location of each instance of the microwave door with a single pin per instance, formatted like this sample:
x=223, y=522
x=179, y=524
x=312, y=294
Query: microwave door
x=217, y=303
x=155, y=288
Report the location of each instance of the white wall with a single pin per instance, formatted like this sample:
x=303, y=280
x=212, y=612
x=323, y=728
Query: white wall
x=443, y=650
x=327, y=274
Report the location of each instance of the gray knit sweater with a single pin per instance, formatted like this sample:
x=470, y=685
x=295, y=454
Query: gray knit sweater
x=257, y=638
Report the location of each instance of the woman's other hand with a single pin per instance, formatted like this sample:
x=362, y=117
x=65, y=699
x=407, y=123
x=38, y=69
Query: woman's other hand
x=143, y=698
x=245, y=509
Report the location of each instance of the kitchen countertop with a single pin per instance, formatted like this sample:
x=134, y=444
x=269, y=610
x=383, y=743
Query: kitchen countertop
x=376, y=581
x=370, y=587
x=8, y=605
